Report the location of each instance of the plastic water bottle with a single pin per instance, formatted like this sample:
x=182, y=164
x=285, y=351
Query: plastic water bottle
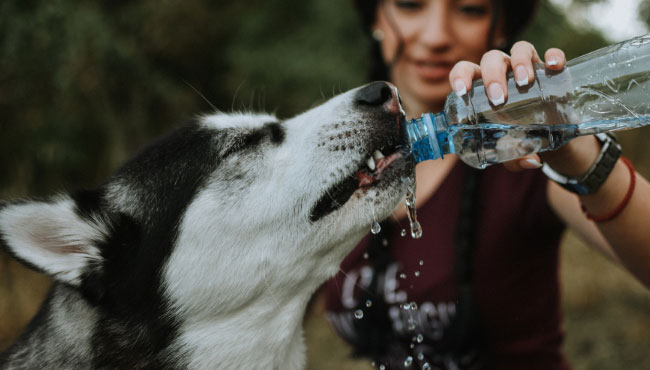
x=606, y=90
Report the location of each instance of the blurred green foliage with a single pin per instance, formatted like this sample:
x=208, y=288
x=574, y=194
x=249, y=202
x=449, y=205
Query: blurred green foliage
x=83, y=84
x=551, y=28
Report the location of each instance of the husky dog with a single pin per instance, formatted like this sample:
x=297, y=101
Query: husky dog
x=203, y=250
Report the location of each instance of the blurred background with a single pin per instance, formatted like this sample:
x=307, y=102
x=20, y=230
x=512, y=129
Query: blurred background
x=84, y=84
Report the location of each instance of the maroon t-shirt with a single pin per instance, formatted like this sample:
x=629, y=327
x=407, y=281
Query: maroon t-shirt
x=515, y=282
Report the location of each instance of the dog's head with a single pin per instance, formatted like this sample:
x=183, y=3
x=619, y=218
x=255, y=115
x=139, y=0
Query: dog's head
x=225, y=208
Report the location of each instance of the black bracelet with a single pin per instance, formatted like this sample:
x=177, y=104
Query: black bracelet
x=590, y=182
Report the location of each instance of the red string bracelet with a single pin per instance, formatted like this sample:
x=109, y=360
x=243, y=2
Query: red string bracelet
x=616, y=211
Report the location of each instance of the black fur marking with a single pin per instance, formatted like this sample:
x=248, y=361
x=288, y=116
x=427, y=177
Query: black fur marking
x=334, y=198
x=134, y=328
x=278, y=133
x=274, y=131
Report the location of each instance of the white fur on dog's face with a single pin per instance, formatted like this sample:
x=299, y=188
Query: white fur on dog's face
x=218, y=234
x=268, y=250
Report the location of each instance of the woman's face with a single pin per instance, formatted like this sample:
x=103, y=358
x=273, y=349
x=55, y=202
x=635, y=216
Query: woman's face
x=435, y=34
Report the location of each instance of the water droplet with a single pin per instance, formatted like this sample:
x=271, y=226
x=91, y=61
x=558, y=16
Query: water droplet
x=414, y=306
x=382, y=367
x=408, y=362
x=368, y=303
x=358, y=314
x=420, y=338
x=365, y=256
x=412, y=346
x=420, y=356
x=417, y=273
x=421, y=263
x=402, y=276
x=426, y=366
x=375, y=228
x=384, y=242
x=416, y=230
x=403, y=233
x=406, y=306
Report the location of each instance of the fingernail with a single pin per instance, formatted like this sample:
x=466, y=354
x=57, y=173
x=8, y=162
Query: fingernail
x=459, y=88
x=521, y=76
x=496, y=94
x=552, y=61
x=530, y=163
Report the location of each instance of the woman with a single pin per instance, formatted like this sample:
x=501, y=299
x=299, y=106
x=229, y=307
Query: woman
x=480, y=289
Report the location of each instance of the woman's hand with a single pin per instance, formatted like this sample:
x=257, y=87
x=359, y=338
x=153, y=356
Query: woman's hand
x=575, y=157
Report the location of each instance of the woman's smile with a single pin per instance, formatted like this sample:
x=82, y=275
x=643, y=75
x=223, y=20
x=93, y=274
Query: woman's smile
x=432, y=70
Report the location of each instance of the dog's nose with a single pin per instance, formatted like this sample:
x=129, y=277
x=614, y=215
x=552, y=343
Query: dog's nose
x=375, y=94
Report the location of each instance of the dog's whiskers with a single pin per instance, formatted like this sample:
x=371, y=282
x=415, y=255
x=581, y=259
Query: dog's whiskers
x=201, y=95
x=327, y=191
x=372, y=294
x=234, y=98
x=261, y=101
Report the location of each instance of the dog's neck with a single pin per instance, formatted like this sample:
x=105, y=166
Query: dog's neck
x=258, y=298
x=266, y=332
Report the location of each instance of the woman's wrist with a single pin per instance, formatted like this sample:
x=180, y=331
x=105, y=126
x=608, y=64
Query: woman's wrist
x=613, y=194
x=575, y=158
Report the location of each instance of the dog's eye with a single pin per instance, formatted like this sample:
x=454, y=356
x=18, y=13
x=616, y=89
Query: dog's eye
x=273, y=131
x=276, y=132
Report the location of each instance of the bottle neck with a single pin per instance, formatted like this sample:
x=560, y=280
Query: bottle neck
x=428, y=136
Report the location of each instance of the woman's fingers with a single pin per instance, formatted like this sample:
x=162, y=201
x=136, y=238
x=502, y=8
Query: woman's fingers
x=494, y=66
x=462, y=75
x=528, y=162
x=555, y=59
x=493, y=70
x=523, y=56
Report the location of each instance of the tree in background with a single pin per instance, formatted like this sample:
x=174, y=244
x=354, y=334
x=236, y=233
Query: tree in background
x=83, y=84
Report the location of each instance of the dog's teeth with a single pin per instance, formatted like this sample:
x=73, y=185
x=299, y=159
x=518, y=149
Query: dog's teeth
x=377, y=155
x=371, y=164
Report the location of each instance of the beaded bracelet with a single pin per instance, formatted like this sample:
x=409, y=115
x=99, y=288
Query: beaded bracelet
x=616, y=211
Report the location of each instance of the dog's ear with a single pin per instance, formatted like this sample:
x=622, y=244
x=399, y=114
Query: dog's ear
x=54, y=236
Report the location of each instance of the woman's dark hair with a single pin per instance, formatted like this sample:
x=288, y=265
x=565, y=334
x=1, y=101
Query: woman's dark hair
x=515, y=14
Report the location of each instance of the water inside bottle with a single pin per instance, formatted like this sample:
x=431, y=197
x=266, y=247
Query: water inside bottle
x=489, y=143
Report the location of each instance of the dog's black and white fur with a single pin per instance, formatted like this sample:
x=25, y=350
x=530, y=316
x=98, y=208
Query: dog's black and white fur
x=203, y=251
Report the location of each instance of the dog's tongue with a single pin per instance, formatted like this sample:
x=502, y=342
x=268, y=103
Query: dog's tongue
x=364, y=178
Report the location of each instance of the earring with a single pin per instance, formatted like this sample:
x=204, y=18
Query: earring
x=377, y=34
